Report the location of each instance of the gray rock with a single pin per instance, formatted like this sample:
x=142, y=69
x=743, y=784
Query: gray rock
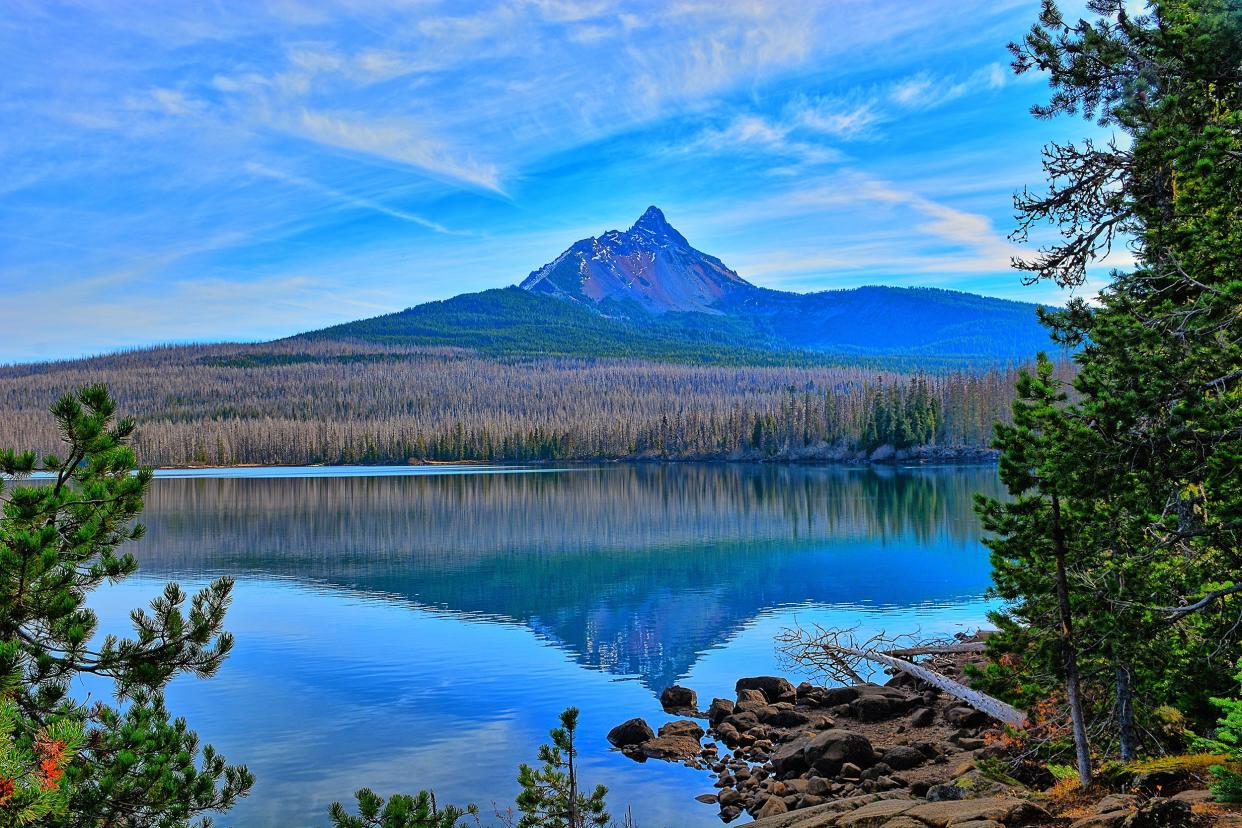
x=903, y=757
x=875, y=703
x=963, y=716
x=945, y=793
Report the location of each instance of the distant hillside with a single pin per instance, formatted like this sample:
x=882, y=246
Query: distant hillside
x=646, y=293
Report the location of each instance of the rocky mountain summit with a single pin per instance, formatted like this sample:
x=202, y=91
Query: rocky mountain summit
x=650, y=265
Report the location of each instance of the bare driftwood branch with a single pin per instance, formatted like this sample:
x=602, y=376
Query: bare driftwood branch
x=838, y=653
x=938, y=649
x=994, y=707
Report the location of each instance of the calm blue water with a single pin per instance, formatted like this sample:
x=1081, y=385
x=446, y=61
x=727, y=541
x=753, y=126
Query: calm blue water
x=407, y=628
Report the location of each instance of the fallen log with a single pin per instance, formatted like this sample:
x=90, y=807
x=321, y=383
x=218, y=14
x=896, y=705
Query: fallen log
x=938, y=649
x=994, y=707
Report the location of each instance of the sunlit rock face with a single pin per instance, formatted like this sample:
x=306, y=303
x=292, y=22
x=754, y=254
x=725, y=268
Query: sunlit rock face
x=650, y=264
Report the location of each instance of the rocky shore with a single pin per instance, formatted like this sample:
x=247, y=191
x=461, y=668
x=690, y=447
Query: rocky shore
x=901, y=755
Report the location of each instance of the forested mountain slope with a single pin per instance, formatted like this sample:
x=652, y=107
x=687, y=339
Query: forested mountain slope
x=647, y=293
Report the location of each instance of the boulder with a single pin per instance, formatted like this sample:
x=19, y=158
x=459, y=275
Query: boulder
x=774, y=688
x=783, y=716
x=633, y=732
x=772, y=806
x=707, y=799
x=901, y=757
x=963, y=716
x=682, y=727
x=750, y=695
x=923, y=717
x=826, y=752
x=728, y=734
x=833, y=696
x=719, y=709
x=1153, y=781
x=1160, y=813
x=947, y=792
x=679, y=698
x=875, y=703
x=743, y=721
x=670, y=748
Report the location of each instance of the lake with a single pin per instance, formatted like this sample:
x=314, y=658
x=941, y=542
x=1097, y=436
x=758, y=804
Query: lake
x=422, y=627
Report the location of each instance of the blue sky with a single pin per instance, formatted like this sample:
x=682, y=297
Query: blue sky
x=190, y=171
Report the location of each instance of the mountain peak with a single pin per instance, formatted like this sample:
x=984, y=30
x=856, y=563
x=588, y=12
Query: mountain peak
x=652, y=221
x=651, y=265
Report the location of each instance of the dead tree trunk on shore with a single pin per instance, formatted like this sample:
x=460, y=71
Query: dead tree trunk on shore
x=837, y=653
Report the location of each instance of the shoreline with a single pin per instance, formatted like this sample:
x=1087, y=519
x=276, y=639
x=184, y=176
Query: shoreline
x=902, y=754
x=961, y=456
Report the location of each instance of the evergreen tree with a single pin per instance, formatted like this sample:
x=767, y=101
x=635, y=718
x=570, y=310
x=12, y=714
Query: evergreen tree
x=58, y=542
x=551, y=797
x=1153, y=440
x=400, y=811
x=1035, y=537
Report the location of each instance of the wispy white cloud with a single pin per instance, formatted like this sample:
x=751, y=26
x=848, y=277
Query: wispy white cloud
x=398, y=140
x=925, y=90
x=747, y=133
x=350, y=200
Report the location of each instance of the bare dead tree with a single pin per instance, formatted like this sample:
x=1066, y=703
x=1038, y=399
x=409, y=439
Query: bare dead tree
x=839, y=653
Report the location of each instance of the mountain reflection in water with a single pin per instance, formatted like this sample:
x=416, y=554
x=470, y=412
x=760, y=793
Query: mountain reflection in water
x=632, y=569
